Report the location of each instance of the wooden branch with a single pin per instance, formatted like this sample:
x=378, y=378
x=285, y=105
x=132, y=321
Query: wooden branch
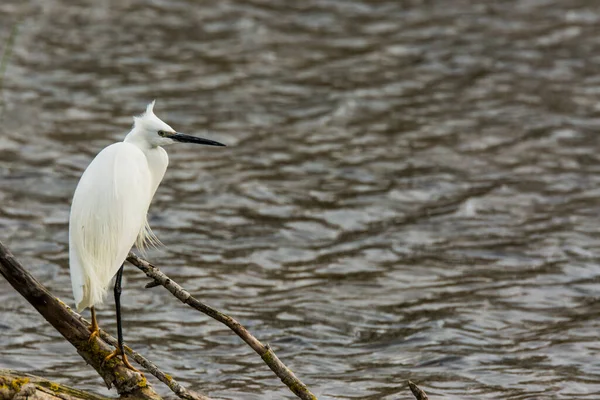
x=20, y=386
x=264, y=351
x=57, y=310
x=417, y=391
x=128, y=383
x=171, y=383
x=149, y=366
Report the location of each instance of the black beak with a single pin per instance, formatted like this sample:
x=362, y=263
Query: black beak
x=183, y=138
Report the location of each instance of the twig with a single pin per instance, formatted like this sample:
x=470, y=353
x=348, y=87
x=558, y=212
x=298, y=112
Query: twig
x=149, y=366
x=264, y=351
x=19, y=385
x=66, y=321
x=175, y=386
x=128, y=383
x=417, y=391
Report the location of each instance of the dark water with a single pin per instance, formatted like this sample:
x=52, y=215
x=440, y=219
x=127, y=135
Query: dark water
x=410, y=191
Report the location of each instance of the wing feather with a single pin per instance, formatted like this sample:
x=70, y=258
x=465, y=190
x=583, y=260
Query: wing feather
x=108, y=212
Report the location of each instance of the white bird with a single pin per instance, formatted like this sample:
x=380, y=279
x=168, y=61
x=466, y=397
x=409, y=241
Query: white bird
x=109, y=211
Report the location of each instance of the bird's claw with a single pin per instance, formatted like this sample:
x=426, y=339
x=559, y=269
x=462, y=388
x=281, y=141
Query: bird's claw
x=124, y=358
x=94, y=334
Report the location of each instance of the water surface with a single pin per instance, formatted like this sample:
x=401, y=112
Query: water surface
x=410, y=189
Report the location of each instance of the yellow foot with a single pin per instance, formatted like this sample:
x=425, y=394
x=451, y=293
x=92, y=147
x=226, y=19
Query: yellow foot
x=117, y=352
x=94, y=333
x=94, y=328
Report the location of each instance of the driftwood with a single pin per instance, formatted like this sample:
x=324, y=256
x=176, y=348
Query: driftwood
x=168, y=380
x=417, y=391
x=75, y=329
x=20, y=386
x=129, y=384
x=264, y=351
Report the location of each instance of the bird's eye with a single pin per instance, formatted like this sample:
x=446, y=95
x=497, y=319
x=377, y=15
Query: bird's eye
x=161, y=133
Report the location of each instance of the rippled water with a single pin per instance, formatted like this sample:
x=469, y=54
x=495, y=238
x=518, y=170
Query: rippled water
x=410, y=190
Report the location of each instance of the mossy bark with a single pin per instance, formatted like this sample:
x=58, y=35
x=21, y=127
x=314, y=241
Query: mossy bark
x=128, y=383
x=20, y=386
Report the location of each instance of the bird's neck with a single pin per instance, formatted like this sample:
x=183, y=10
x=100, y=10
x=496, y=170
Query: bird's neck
x=137, y=138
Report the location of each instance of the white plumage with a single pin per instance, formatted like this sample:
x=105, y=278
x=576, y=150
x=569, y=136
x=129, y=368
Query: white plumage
x=109, y=208
x=108, y=214
x=111, y=202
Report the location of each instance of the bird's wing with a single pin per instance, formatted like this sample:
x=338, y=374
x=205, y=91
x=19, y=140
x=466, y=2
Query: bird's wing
x=108, y=212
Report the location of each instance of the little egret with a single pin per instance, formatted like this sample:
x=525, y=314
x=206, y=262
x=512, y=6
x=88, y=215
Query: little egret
x=109, y=212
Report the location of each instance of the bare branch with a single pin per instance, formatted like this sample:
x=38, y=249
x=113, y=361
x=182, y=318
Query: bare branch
x=149, y=366
x=264, y=351
x=21, y=386
x=128, y=383
x=66, y=321
x=75, y=329
x=417, y=391
x=175, y=386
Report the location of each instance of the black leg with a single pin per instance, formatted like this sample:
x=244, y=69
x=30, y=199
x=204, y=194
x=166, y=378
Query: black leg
x=118, y=305
x=119, y=349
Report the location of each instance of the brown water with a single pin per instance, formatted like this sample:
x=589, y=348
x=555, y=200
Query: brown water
x=411, y=189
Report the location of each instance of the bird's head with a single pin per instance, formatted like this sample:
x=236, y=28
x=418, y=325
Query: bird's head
x=150, y=130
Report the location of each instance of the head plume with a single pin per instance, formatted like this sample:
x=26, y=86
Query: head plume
x=150, y=131
x=150, y=107
x=148, y=120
